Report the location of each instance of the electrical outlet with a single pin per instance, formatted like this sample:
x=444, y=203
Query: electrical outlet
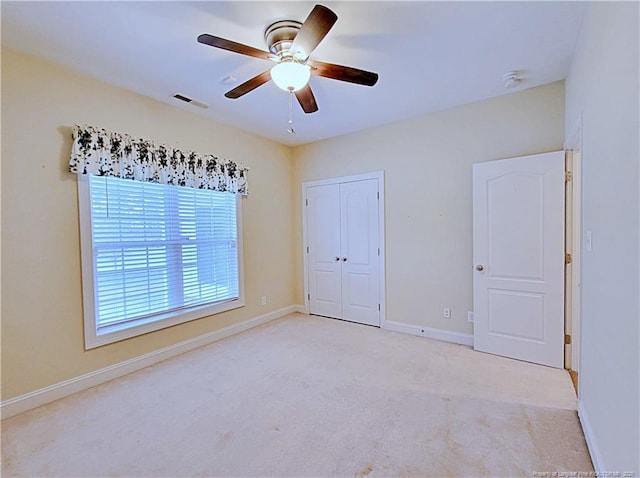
x=264, y=300
x=469, y=316
x=446, y=313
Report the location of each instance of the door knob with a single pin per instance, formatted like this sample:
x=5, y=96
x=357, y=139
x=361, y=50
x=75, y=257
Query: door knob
x=337, y=258
x=344, y=259
x=479, y=267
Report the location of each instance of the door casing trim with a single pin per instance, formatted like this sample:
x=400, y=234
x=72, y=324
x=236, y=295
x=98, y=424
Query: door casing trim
x=573, y=148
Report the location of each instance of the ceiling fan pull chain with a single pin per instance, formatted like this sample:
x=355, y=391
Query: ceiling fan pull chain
x=290, y=129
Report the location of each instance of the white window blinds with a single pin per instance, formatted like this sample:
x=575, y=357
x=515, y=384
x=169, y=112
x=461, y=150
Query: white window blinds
x=159, y=248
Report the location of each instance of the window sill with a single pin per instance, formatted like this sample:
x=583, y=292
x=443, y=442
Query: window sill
x=115, y=333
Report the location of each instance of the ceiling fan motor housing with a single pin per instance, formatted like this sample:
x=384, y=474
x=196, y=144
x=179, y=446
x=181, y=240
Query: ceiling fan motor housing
x=279, y=37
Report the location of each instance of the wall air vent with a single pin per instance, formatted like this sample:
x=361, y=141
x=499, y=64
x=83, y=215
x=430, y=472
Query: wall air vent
x=190, y=100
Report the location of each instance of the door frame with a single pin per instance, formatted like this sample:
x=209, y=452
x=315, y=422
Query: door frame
x=379, y=176
x=573, y=280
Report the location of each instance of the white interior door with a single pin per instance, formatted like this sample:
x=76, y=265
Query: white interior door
x=359, y=248
x=518, y=251
x=343, y=247
x=323, y=237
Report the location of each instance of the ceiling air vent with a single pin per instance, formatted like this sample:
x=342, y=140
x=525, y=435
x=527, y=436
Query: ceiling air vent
x=189, y=100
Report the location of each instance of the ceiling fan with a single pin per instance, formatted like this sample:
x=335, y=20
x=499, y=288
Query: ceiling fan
x=290, y=44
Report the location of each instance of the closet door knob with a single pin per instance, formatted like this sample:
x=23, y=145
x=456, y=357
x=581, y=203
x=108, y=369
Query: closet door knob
x=479, y=267
x=344, y=259
x=337, y=258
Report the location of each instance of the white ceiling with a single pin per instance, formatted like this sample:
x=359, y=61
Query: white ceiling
x=430, y=55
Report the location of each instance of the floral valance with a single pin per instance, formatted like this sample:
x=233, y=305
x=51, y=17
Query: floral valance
x=104, y=153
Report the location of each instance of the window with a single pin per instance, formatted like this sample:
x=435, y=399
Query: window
x=155, y=255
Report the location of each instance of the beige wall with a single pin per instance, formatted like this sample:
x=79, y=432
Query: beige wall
x=42, y=326
x=428, y=218
x=602, y=95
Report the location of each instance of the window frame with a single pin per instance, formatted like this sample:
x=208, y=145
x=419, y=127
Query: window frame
x=117, y=332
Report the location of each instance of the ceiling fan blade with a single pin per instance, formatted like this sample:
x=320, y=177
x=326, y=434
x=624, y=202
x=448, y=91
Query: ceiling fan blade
x=343, y=73
x=235, y=47
x=313, y=30
x=249, y=85
x=306, y=99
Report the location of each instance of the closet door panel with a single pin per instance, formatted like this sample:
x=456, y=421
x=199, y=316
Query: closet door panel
x=359, y=249
x=323, y=219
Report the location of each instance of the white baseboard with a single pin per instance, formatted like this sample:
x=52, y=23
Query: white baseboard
x=437, y=334
x=299, y=309
x=31, y=400
x=596, y=457
x=402, y=328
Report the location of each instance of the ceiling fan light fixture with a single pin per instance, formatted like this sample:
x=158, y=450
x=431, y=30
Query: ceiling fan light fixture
x=290, y=75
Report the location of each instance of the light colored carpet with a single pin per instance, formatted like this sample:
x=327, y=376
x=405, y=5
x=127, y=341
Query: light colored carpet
x=309, y=396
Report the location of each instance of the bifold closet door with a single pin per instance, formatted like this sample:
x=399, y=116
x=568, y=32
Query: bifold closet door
x=342, y=229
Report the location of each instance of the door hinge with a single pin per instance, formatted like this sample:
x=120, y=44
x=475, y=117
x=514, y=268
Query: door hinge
x=307, y=249
x=378, y=251
x=378, y=307
x=308, y=296
x=567, y=339
x=378, y=195
x=568, y=176
x=306, y=202
x=567, y=258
